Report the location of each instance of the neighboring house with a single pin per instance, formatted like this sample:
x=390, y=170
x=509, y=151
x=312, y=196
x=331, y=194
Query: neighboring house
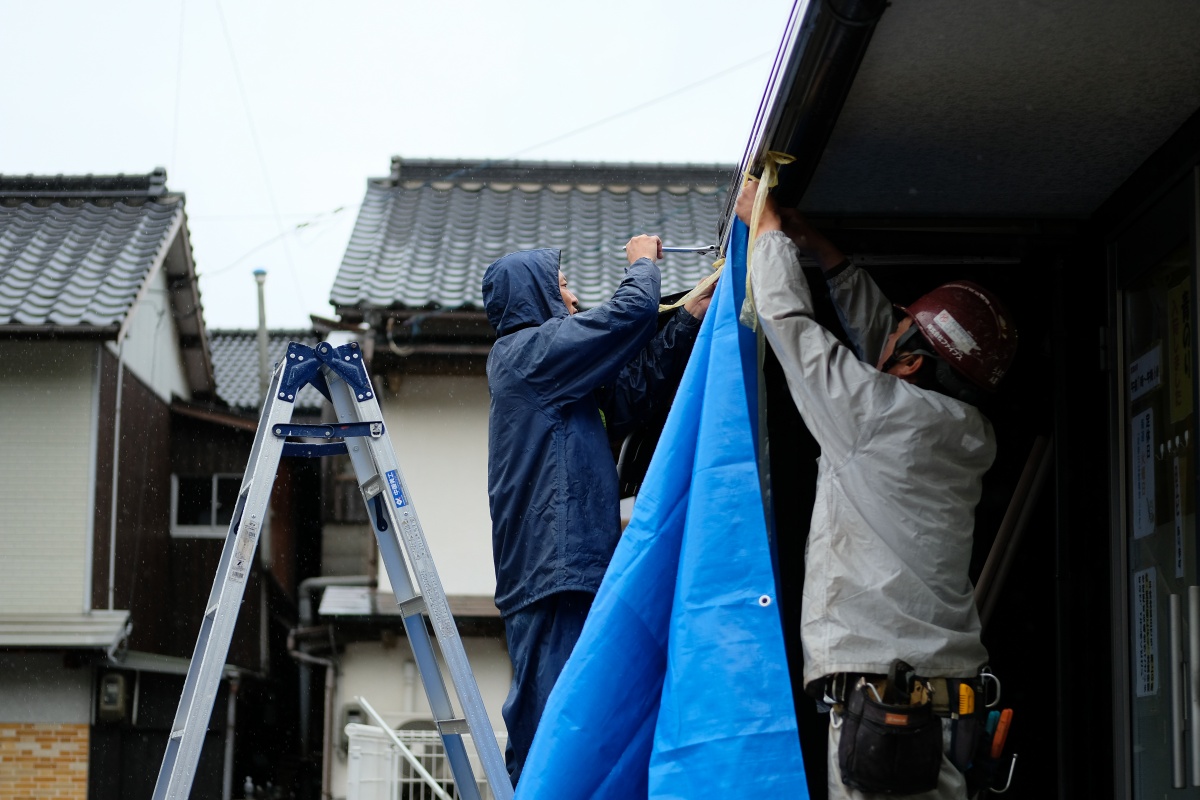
x=413, y=274
x=120, y=461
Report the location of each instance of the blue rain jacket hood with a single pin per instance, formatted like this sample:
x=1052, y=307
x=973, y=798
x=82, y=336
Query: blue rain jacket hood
x=556, y=381
x=521, y=289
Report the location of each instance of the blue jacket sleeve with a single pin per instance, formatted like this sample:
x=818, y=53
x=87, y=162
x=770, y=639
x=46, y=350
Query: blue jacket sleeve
x=576, y=354
x=647, y=383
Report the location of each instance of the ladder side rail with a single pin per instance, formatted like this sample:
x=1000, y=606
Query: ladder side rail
x=410, y=602
x=407, y=524
x=186, y=740
x=413, y=617
x=385, y=477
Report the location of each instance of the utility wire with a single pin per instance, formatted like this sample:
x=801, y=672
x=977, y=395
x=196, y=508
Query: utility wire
x=605, y=120
x=178, y=84
x=262, y=162
x=482, y=165
x=646, y=104
x=309, y=222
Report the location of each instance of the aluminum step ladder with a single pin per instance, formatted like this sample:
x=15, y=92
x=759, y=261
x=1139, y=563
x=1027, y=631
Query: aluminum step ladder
x=340, y=374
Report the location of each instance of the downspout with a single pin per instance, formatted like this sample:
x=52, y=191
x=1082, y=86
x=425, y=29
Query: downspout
x=230, y=735
x=116, y=472
x=159, y=259
x=296, y=651
x=299, y=649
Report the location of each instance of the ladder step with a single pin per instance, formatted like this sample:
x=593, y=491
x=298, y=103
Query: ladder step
x=412, y=606
x=177, y=734
x=211, y=610
x=453, y=726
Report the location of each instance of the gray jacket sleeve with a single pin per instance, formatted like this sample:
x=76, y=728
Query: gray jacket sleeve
x=864, y=311
x=840, y=397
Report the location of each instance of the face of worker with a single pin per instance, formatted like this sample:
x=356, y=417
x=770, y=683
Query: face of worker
x=567, y=295
x=889, y=347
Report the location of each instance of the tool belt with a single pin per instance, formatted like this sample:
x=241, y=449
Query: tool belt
x=891, y=740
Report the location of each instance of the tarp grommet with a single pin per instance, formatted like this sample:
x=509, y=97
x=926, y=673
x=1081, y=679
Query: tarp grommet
x=764, y=600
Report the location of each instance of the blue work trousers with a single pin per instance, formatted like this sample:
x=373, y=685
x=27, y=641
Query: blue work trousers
x=540, y=639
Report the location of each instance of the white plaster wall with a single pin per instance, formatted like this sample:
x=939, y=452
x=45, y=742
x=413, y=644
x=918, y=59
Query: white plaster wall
x=438, y=425
x=386, y=678
x=46, y=450
x=151, y=347
x=35, y=687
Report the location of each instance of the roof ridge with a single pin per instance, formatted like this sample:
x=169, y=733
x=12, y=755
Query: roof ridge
x=153, y=184
x=561, y=172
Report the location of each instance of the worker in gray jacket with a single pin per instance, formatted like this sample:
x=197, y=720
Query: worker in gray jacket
x=903, y=454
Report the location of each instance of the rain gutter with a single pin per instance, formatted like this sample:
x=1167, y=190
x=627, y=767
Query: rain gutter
x=822, y=47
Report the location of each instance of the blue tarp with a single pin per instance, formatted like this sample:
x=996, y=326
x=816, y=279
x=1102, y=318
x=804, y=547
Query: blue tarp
x=678, y=686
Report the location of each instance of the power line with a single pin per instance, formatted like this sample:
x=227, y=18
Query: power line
x=647, y=103
x=262, y=162
x=309, y=222
x=178, y=84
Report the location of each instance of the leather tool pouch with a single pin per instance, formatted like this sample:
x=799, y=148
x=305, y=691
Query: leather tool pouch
x=889, y=749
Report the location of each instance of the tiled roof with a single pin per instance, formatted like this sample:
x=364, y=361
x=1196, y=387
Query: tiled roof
x=76, y=251
x=71, y=254
x=235, y=362
x=425, y=235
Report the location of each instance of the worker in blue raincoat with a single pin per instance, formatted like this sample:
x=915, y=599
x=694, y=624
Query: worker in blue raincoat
x=563, y=382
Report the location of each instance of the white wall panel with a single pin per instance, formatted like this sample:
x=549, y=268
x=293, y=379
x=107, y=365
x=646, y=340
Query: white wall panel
x=152, y=343
x=385, y=677
x=439, y=425
x=46, y=393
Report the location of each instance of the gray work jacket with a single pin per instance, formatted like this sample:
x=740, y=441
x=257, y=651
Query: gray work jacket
x=899, y=476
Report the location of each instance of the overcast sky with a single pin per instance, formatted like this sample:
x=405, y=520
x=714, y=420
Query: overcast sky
x=270, y=116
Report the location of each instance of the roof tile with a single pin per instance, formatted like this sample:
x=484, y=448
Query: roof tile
x=424, y=236
x=81, y=263
x=235, y=363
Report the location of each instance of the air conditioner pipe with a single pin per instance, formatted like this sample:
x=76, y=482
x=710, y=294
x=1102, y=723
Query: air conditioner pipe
x=299, y=650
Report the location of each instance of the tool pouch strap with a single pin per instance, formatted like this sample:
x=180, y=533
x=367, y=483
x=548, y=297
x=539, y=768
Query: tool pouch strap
x=889, y=749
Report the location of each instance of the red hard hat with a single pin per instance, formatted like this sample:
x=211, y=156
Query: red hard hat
x=970, y=329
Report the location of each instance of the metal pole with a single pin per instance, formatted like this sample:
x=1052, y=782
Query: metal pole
x=264, y=365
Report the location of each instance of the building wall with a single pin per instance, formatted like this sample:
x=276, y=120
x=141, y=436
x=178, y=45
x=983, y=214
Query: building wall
x=151, y=346
x=438, y=425
x=44, y=734
x=47, y=396
x=143, y=558
x=43, y=761
x=385, y=677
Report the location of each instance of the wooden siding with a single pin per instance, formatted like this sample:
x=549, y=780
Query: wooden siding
x=143, y=507
x=46, y=396
x=293, y=537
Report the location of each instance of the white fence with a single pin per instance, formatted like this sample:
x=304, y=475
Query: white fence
x=377, y=771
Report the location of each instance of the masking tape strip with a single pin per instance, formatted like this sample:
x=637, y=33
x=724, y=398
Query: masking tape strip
x=708, y=281
x=772, y=161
